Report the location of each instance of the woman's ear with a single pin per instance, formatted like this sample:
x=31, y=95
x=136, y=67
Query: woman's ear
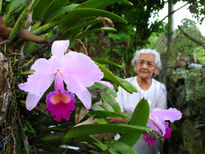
x=156, y=70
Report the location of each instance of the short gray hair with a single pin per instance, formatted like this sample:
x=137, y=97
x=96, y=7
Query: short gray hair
x=147, y=51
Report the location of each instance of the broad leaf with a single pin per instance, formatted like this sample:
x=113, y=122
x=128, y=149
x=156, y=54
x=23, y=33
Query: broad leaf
x=84, y=34
x=96, y=107
x=41, y=8
x=90, y=129
x=100, y=4
x=61, y=11
x=140, y=117
x=120, y=147
x=105, y=61
x=19, y=25
x=95, y=142
x=111, y=77
x=15, y=4
x=109, y=99
x=105, y=114
x=77, y=28
x=69, y=16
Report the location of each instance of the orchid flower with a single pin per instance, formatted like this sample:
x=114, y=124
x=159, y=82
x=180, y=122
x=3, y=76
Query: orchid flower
x=78, y=72
x=157, y=122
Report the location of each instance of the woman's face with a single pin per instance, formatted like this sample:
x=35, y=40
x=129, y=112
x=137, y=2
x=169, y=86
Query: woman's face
x=145, y=66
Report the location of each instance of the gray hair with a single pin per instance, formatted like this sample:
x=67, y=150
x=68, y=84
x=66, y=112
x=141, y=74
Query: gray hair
x=136, y=55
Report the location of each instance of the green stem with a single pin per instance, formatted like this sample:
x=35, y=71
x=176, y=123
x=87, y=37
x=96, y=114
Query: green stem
x=1, y=5
x=43, y=28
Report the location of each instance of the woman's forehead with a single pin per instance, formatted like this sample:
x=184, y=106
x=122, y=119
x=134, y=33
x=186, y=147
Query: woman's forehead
x=147, y=56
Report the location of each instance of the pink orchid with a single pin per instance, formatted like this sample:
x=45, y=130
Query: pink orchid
x=108, y=84
x=157, y=122
x=77, y=70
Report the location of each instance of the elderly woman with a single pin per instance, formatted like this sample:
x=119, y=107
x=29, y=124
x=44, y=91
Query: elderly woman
x=146, y=63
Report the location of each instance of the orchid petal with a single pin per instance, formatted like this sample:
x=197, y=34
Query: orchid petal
x=59, y=48
x=41, y=80
x=150, y=141
x=59, y=82
x=37, y=66
x=85, y=98
x=167, y=131
x=108, y=84
x=79, y=71
x=171, y=114
x=32, y=101
x=156, y=124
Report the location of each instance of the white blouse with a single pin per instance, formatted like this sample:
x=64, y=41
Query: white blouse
x=156, y=95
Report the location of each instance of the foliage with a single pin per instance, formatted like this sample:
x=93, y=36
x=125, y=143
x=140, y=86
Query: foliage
x=88, y=24
x=27, y=23
x=184, y=45
x=186, y=92
x=181, y=45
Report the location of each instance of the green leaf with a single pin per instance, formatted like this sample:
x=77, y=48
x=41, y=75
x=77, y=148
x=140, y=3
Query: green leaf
x=1, y=1
x=84, y=34
x=90, y=129
x=102, y=4
x=98, y=85
x=108, y=107
x=19, y=25
x=41, y=8
x=140, y=117
x=27, y=72
x=35, y=25
x=108, y=62
x=34, y=4
x=120, y=147
x=15, y=4
x=105, y=114
x=112, y=102
x=96, y=107
x=77, y=28
x=111, y=77
x=127, y=84
x=50, y=138
x=44, y=28
x=112, y=92
x=61, y=11
x=70, y=16
x=27, y=64
x=95, y=142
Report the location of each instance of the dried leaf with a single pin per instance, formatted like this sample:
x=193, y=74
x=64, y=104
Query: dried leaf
x=90, y=120
x=80, y=114
x=80, y=47
x=107, y=22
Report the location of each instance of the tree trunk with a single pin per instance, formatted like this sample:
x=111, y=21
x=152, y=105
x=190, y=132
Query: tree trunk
x=165, y=56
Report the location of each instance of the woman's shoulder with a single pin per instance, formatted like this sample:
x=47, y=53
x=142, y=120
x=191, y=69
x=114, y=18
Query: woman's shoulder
x=131, y=79
x=158, y=83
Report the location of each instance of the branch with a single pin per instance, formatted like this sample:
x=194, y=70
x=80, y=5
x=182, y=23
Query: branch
x=174, y=11
x=24, y=137
x=191, y=38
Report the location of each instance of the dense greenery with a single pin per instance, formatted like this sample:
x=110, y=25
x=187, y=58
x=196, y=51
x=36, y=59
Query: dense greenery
x=109, y=31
